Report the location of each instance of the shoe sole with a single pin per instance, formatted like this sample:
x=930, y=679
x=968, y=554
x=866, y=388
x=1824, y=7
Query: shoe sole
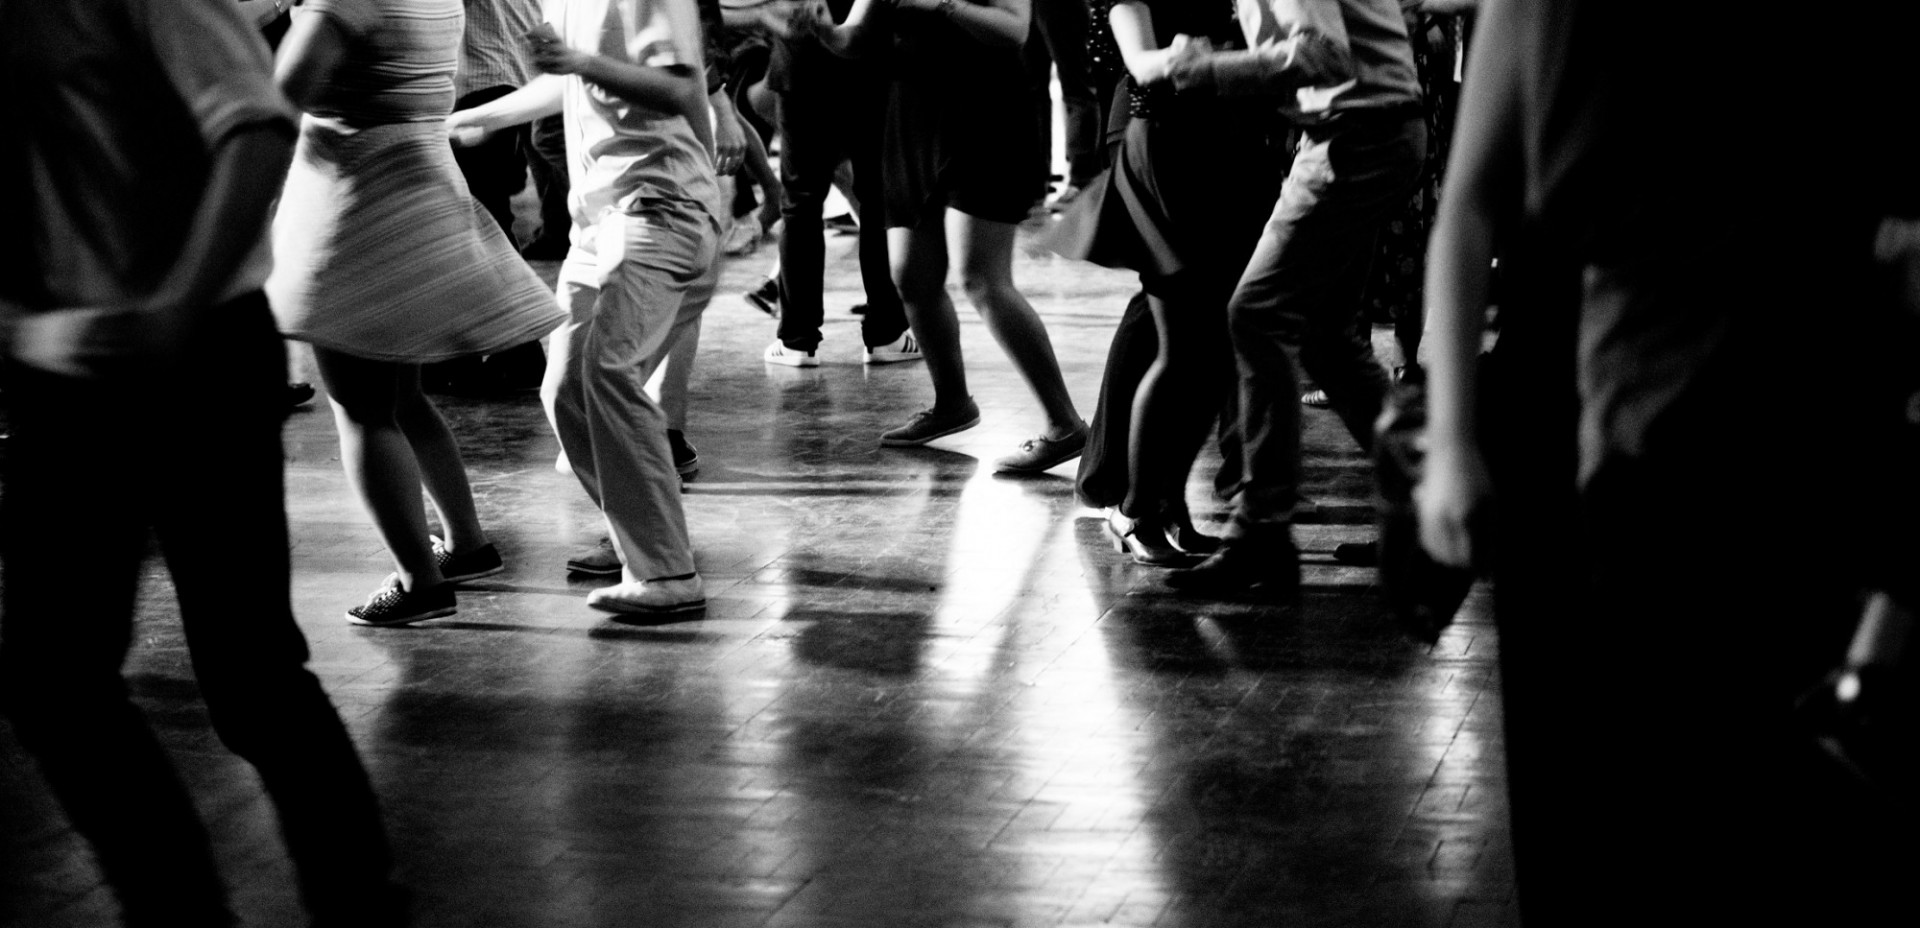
x=409, y=620
x=462, y=578
x=694, y=605
x=810, y=362
x=764, y=306
x=592, y=570
x=886, y=442
x=872, y=358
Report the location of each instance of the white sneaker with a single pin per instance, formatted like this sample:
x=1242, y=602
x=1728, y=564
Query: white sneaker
x=651, y=597
x=904, y=348
x=777, y=353
x=744, y=237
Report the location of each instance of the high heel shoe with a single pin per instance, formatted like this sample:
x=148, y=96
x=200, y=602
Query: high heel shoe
x=1143, y=541
x=1183, y=536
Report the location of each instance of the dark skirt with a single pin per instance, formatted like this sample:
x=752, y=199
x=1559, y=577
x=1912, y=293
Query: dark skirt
x=972, y=149
x=1184, y=192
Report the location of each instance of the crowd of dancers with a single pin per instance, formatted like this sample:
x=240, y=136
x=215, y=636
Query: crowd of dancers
x=1255, y=153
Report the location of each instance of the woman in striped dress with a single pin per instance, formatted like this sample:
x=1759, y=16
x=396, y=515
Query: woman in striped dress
x=384, y=261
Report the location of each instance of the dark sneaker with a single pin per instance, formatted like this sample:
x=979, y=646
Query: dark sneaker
x=766, y=297
x=686, y=458
x=468, y=565
x=1043, y=453
x=598, y=561
x=929, y=424
x=392, y=605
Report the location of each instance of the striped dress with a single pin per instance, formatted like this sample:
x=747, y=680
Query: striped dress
x=380, y=251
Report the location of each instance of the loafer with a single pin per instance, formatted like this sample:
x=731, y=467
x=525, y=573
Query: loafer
x=597, y=561
x=1241, y=566
x=1043, y=453
x=651, y=597
x=929, y=424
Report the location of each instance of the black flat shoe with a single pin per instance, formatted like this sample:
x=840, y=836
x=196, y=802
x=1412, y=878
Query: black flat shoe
x=1240, y=567
x=1143, y=541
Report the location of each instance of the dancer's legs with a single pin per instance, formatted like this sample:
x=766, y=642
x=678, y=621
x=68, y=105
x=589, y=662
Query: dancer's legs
x=983, y=250
x=379, y=461
x=919, y=257
x=442, y=469
x=1173, y=406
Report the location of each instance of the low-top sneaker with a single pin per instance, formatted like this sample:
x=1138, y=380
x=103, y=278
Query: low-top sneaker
x=1041, y=453
x=778, y=353
x=395, y=605
x=483, y=561
x=904, y=348
x=929, y=424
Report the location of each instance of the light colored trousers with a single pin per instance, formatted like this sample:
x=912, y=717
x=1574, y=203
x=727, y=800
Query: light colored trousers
x=634, y=286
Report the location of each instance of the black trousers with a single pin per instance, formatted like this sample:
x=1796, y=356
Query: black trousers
x=821, y=126
x=191, y=453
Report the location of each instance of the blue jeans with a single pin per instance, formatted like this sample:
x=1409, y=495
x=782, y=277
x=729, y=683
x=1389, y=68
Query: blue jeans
x=1298, y=306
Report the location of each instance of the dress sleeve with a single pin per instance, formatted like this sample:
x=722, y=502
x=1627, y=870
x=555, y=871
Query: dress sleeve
x=357, y=17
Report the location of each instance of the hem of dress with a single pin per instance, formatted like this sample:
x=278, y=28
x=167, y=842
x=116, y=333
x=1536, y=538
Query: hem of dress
x=531, y=333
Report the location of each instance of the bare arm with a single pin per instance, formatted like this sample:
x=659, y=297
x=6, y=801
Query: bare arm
x=679, y=89
x=1482, y=174
x=249, y=165
x=541, y=97
x=994, y=23
x=849, y=39
x=1132, y=24
x=729, y=134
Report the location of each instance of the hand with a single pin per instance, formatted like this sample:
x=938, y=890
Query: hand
x=550, y=55
x=729, y=143
x=1454, y=489
x=1182, y=50
x=464, y=131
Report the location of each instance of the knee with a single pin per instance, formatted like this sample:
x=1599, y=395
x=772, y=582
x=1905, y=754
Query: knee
x=986, y=286
x=917, y=287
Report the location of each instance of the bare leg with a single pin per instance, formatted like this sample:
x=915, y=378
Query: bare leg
x=919, y=258
x=437, y=454
x=379, y=461
x=983, y=249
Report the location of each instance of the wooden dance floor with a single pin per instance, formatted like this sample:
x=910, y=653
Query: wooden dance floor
x=922, y=695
